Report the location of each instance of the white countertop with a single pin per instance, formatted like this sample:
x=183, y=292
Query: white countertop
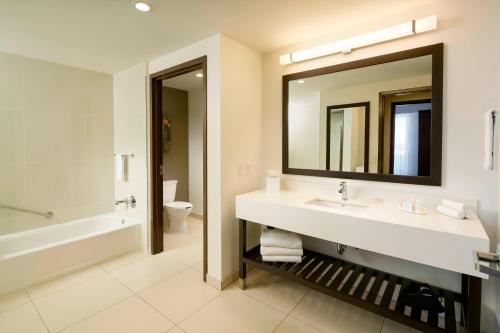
x=432, y=239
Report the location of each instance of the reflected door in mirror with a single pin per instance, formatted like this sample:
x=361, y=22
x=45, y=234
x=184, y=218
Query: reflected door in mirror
x=347, y=136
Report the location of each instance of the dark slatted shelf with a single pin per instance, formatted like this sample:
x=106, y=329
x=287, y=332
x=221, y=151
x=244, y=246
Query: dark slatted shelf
x=365, y=287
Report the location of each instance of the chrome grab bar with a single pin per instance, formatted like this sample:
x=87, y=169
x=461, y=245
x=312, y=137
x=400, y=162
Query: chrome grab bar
x=47, y=215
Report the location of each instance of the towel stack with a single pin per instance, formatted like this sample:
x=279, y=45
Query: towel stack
x=454, y=209
x=280, y=245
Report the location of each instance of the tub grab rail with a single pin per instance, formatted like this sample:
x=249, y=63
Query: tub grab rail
x=47, y=215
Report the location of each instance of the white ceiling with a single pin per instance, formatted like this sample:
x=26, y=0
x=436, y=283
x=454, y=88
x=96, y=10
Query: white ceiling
x=110, y=35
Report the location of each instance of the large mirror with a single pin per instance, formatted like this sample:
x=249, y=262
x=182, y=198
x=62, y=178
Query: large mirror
x=374, y=119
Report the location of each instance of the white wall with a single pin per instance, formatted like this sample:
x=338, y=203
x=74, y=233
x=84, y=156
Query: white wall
x=240, y=138
x=130, y=121
x=304, y=131
x=471, y=86
x=195, y=132
x=56, y=142
x=209, y=47
x=233, y=129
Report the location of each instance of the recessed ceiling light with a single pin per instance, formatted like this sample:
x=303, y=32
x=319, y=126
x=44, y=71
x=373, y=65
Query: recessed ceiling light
x=199, y=74
x=300, y=81
x=142, y=6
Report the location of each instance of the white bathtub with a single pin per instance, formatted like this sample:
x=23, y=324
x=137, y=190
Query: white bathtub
x=34, y=255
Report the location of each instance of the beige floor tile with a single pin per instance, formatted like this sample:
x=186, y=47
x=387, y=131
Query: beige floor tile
x=188, y=255
x=63, y=282
x=292, y=325
x=328, y=314
x=195, y=227
x=273, y=290
x=177, y=240
x=148, y=272
x=183, y=247
x=124, y=260
x=66, y=307
x=394, y=327
x=130, y=316
x=181, y=295
x=176, y=329
x=198, y=267
x=22, y=319
x=12, y=300
x=234, y=312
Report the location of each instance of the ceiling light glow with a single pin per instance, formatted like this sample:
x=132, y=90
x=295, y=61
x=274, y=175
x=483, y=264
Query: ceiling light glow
x=199, y=74
x=142, y=6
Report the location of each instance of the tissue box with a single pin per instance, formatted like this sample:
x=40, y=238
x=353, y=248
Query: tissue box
x=273, y=184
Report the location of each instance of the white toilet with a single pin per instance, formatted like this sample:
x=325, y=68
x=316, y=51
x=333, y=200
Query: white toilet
x=177, y=211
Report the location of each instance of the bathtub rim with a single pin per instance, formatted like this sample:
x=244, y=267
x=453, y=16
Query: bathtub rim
x=134, y=222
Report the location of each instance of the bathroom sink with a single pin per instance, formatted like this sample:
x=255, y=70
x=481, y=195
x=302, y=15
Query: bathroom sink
x=337, y=204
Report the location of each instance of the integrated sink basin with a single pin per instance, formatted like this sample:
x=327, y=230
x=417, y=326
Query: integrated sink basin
x=337, y=204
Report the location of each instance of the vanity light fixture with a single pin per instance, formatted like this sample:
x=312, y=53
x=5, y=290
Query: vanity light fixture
x=375, y=37
x=300, y=81
x=142, y=6
x=199, y=74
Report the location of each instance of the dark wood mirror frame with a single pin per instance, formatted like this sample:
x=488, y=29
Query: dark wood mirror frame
x=436, y=51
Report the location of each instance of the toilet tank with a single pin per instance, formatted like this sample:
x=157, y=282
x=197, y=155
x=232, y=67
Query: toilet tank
x=169, y=187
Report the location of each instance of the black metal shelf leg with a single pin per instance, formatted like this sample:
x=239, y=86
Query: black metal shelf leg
x=242, y=251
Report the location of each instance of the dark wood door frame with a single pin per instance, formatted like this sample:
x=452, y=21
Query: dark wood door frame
x=382, y=96
x=329, y=109
x=157, y=153
x=393, y=121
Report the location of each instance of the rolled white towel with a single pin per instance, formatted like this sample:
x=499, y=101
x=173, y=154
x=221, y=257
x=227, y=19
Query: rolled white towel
x=282, y=258
x=280, y=251
x=458, y=214
x=460, y=206
x=280, y=238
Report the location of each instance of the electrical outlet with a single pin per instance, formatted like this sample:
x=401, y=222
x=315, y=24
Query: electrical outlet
x=241, y=169
x=248, y=169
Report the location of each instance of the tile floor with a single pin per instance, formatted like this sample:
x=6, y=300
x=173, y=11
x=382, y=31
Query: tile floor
x=165, y=293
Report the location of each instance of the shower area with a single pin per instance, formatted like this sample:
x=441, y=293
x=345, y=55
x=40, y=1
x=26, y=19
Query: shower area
x=57, y=172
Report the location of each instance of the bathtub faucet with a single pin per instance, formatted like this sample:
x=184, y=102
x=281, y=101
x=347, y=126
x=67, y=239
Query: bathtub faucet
x=130, y=201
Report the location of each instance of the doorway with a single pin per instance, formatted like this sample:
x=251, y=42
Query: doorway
x=170, y=145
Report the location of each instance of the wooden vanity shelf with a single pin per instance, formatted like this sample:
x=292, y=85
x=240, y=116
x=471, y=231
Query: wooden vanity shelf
x=368, y=288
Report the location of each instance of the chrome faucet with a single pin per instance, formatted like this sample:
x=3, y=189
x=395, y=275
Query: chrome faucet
x=343, y=190
x=127, y=201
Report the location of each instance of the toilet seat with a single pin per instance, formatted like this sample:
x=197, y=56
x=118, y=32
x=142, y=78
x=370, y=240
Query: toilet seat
x=179, y=205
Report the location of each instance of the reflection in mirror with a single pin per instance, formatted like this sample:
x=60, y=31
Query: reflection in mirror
x=347, y=136
x=331, y=128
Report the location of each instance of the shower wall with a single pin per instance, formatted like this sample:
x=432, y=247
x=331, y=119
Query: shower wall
x=56, y=142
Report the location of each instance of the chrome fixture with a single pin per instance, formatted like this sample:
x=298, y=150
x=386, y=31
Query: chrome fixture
x=341, y=248
x=47, y=215
x=130, y=201
x=488, y=263
x=343, y=190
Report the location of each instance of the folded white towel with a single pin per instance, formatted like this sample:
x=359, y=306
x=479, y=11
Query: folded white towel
x=280, y=238
x=120, y=167
x=460, y=206
x=282, y=258
x=280, y=251
x=458, y=214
